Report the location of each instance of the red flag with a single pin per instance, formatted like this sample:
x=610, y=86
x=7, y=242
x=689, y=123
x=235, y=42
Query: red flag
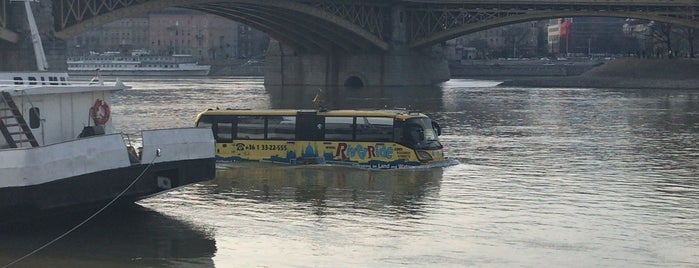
x=564, y=28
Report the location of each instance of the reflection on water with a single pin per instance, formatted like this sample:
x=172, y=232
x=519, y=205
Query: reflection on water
x=126, y=237
x=548, y=178
x=279, y=215
x=321, y=184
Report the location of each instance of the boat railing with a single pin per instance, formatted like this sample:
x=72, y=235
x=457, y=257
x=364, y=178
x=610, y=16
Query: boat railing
x=8, y=85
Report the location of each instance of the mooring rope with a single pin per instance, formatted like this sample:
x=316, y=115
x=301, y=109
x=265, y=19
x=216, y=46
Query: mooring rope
x=88, y=218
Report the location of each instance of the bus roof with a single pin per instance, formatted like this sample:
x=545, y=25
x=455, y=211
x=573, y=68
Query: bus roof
x=399, y=114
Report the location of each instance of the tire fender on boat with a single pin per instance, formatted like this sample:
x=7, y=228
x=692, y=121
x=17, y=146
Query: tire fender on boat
x=100, y=118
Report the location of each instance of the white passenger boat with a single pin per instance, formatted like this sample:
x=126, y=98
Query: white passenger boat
x=59, y=150
x=113, y=64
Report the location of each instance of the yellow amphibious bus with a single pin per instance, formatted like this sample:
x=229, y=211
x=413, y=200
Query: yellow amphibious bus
x=379, y=139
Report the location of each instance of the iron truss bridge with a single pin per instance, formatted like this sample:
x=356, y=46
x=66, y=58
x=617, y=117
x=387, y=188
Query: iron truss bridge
x=5, y=34
x=352, y=25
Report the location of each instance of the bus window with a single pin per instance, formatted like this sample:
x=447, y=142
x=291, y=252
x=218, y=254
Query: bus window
x=339, y=128
x=398, y=128
x=222, y=126
x=251, y=127
x=374, y=129
x=419, y=133
x=223, y=131
x=414, y=135
x=205, y=121
x=281, y=127
x=309, y=126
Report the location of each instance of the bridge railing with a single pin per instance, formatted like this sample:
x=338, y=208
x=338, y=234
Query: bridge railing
x=570, y=2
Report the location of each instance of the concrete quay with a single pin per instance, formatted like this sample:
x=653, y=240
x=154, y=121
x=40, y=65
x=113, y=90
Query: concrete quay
x=624, y=73
x=521, y=67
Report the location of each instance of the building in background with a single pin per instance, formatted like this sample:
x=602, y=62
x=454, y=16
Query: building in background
x=174, y=31
x=575, y=37
x=557, y=35
x=589, y=36
x=122, y=35
x=251, y=43
x=521, y=40
x=640, y=30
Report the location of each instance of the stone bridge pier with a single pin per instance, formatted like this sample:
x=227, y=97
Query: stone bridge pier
x=399, y=65
x=395, y=67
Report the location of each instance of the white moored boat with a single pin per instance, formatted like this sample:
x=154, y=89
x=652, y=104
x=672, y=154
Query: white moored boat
x=59, y=150
x=114, y=64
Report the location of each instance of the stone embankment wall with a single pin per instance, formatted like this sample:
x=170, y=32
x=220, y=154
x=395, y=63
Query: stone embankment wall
x=474, y=69
x=238, y=67
x=620, y=73
x=626, y=73
x=517, y=68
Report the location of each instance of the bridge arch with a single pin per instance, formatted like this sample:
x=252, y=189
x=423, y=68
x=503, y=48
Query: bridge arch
x=300, y=26
x=355, y=80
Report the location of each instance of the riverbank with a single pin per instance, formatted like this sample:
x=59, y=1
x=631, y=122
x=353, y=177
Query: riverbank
x=521, y=67
x=624, y=73
x=237, y=67
x=619, y=73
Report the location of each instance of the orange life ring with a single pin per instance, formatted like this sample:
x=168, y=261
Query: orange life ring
x=103, y=107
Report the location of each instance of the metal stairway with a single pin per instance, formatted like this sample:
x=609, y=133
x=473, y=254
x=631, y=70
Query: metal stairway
x=12, y=124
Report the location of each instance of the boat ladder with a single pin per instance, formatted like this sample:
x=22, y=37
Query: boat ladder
x=12, y=124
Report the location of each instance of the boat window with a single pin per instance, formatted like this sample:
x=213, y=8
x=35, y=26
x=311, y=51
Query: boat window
x=54, y=80
x=339, y=128
x=31, y=78
x=251, y=127
x=18, y=80
x=374, y=129
x=281, y=127
x=34, y=117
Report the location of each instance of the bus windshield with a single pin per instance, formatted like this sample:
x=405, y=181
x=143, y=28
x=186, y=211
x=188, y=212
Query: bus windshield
x=421, y=133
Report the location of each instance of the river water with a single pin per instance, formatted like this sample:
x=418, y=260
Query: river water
x=546, y=178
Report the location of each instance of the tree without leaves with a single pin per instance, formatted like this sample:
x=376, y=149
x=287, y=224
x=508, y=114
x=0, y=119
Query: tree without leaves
x=688, y=34
x=481, y=46
x=661, y=34
x=516, y=36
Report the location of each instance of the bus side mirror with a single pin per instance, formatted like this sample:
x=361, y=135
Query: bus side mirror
x=436, y=126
